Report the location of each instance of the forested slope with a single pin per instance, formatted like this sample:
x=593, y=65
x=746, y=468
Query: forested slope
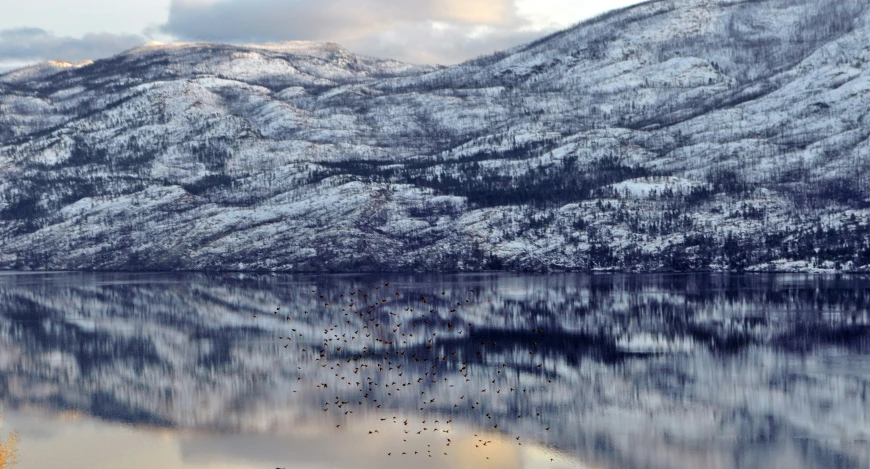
x=673, y=135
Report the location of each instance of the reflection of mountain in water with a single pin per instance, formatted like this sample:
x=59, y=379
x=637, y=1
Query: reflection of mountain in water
x=629, y=371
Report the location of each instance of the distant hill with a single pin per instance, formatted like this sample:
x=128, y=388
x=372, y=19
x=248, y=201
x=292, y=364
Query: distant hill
x=672, y=135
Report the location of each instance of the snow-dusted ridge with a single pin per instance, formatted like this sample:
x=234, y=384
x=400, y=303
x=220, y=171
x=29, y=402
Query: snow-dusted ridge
x=673, y=135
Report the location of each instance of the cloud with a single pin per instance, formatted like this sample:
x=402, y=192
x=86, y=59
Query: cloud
x=9, y=66
x=22, y=45
x=441, y=44
x=431, y=31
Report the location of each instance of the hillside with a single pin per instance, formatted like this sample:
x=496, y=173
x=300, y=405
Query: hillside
x=673, y=135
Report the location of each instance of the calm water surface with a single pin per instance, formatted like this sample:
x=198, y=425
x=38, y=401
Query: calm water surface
x=490, y=371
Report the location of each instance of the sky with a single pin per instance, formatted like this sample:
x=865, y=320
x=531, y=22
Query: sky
x=418, y=31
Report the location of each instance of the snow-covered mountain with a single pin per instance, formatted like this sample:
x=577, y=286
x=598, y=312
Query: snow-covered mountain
x=673, y=135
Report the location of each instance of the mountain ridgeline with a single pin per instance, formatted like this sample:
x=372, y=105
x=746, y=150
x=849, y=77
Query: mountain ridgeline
x=672, y=135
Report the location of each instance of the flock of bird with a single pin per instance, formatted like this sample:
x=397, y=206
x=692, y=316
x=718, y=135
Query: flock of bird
x=390, y=347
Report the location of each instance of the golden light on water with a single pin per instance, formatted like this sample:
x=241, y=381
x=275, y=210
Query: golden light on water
x=8, y=449
x=87, y=443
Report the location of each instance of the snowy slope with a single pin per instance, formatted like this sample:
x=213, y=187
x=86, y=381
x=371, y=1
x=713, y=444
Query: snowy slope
x=673, y=135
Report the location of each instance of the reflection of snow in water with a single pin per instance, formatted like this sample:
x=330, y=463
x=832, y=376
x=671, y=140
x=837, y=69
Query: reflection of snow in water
x=626, y=371
x=654, y=343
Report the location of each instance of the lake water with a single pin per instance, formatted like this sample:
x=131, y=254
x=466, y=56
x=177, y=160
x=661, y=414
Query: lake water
x=489, y=371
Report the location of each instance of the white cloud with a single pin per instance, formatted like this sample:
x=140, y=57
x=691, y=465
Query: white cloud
x=564, y=13
x=6, y=66
x=440, y=43
x=432, y=31
x=20, y=46
x=425, y=31
x=75, y=18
